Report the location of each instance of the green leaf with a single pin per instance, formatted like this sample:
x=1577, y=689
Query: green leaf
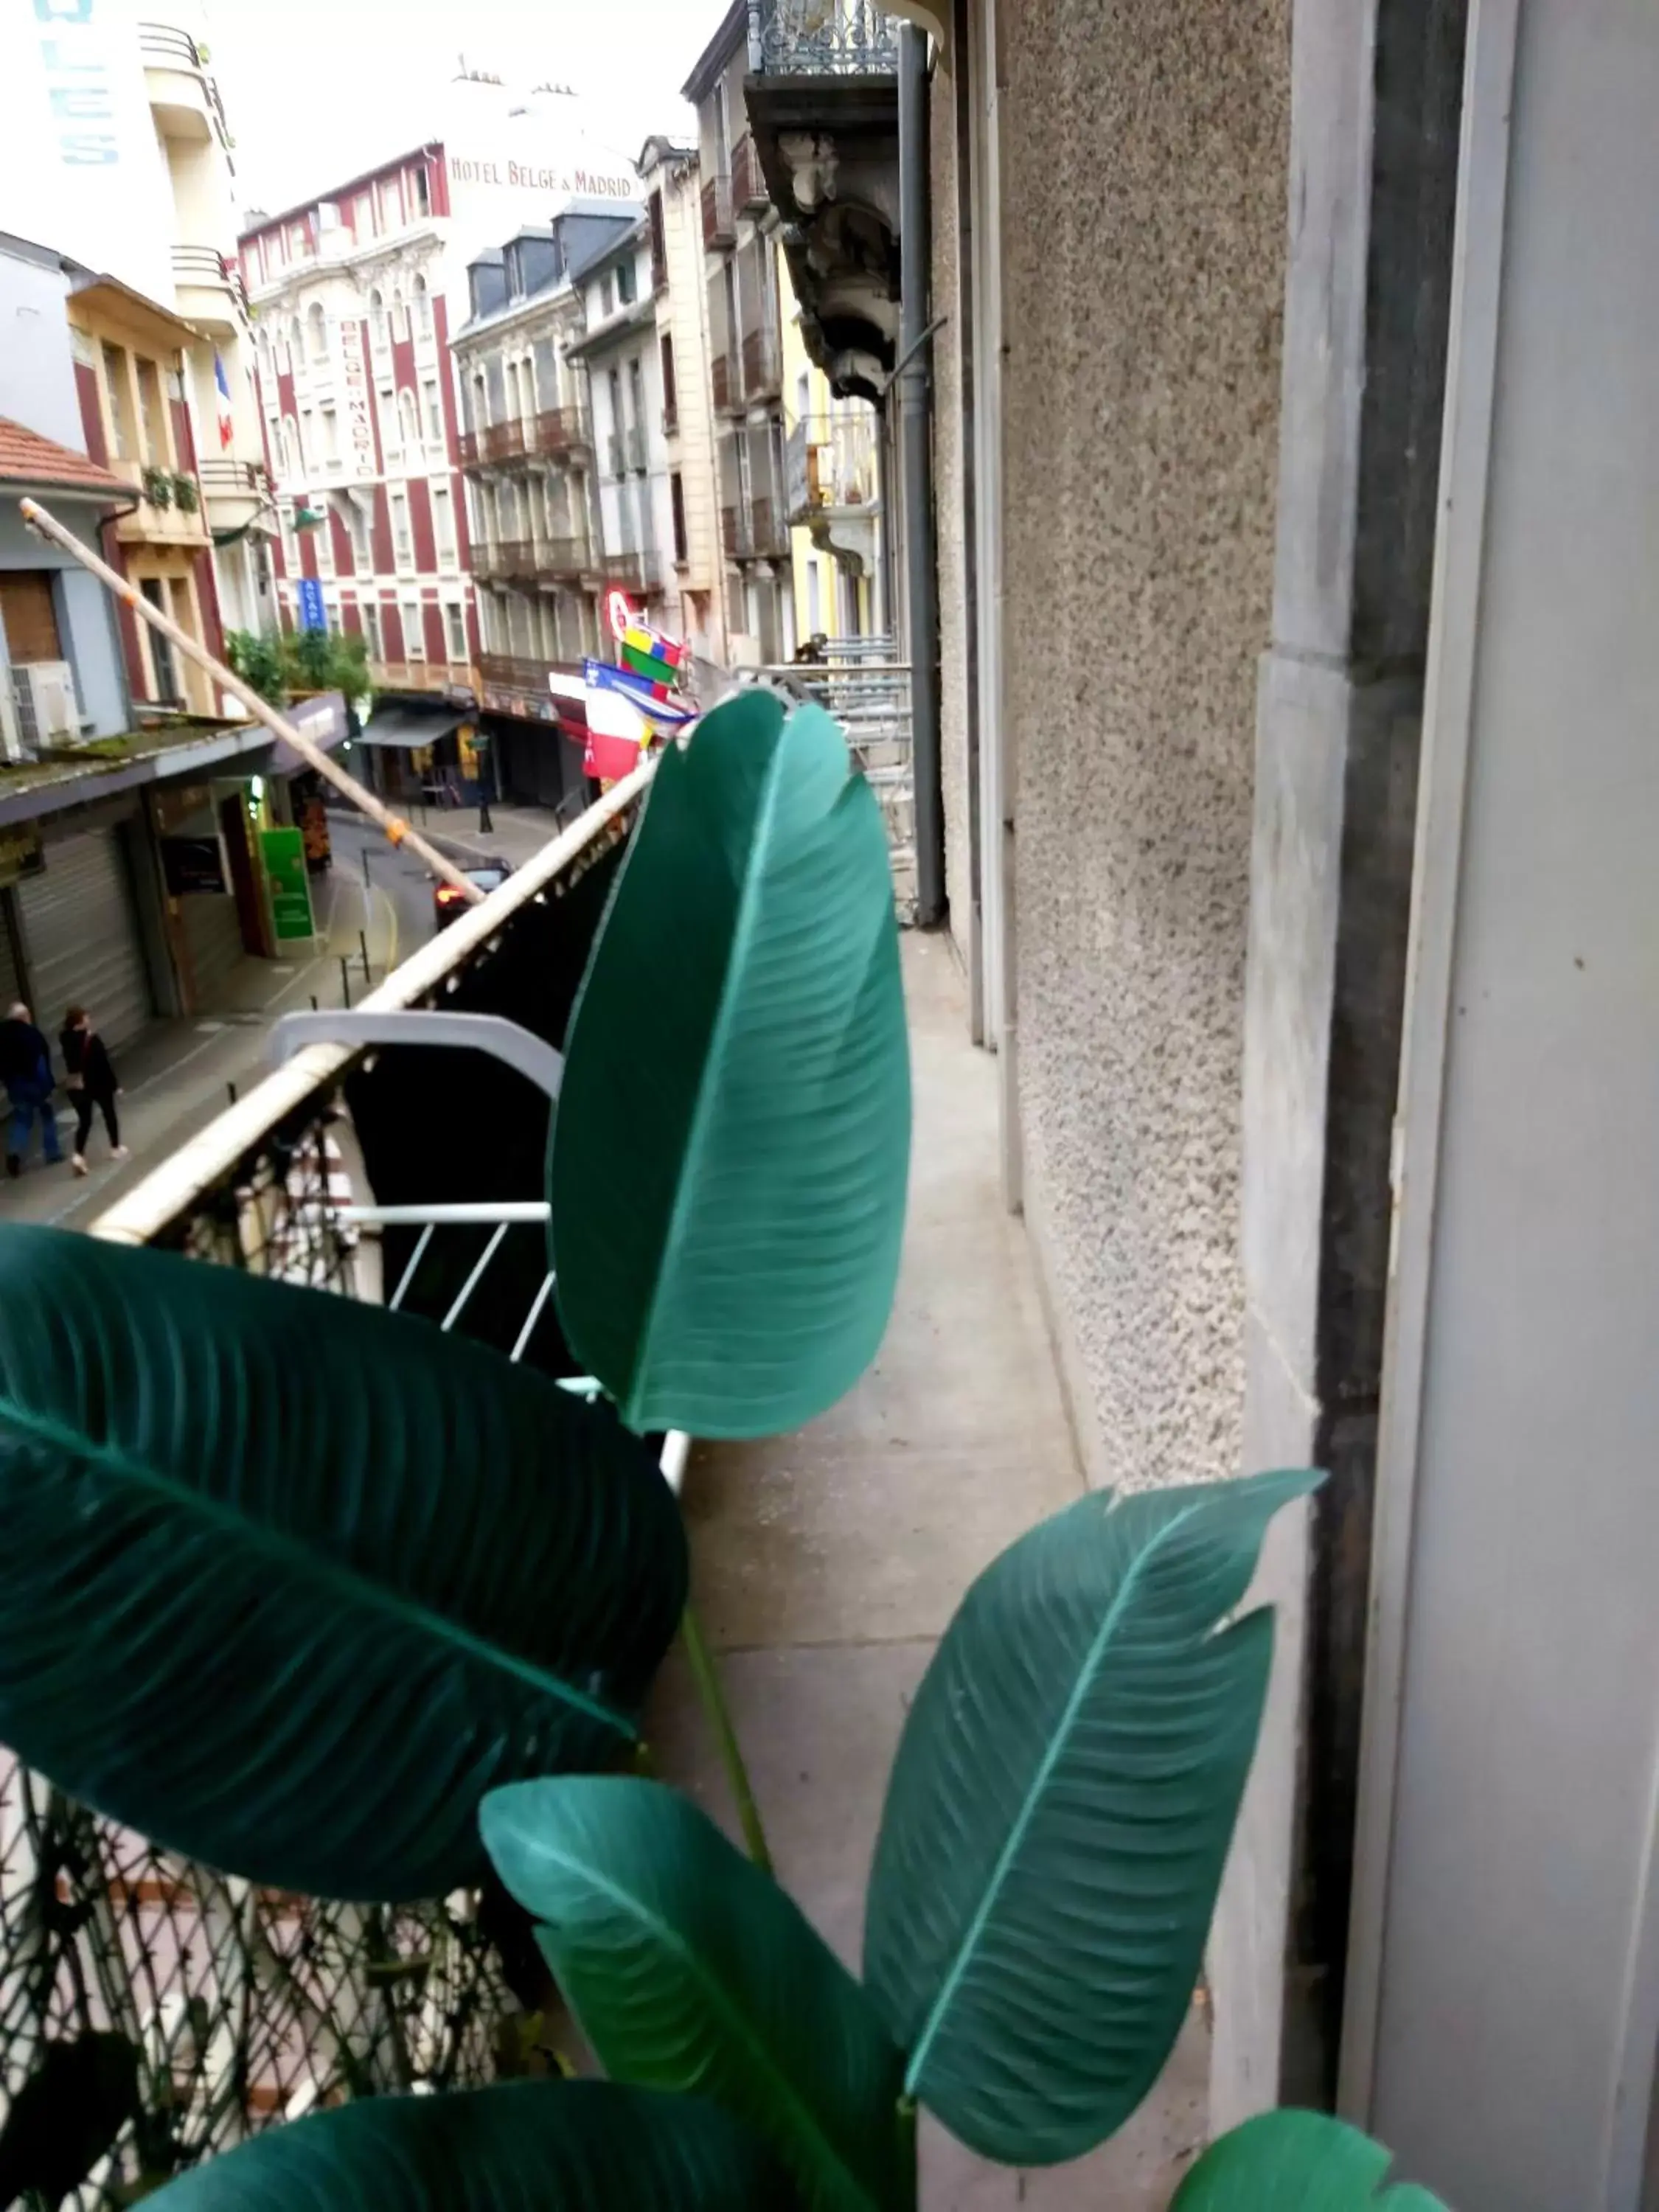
x=1297, y=2162
x=732, y=1142
x=689, y=1969
x=1060, y=1810
x=289, y=1581
x=519, y=2146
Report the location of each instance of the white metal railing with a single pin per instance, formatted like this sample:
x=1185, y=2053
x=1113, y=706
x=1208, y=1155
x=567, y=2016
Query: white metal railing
x=868, y=692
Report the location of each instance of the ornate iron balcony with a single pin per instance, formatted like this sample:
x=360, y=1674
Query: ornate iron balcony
x=826, y=38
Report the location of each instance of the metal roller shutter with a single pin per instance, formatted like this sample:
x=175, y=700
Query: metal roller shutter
x=213, y=932
x=82, y=936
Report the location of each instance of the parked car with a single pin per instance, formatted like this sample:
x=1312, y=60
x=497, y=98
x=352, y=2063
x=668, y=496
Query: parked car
x=449, y=904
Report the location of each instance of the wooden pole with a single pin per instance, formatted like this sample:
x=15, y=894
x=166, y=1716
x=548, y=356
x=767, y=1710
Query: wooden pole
x=396, y=829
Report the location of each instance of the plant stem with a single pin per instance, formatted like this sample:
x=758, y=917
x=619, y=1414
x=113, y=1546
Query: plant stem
x=909, y=2168
x=713, y=1704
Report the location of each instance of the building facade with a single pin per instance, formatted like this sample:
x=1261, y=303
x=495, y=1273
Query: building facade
x=620, y=356
x=125, y=116
x=742, y=278
x=670, y=176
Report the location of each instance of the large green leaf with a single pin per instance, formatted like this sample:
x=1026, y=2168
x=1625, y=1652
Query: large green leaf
x=1060, y=1810
x=288, y=1583
x=1297, y=2162
x=520, y=2147
x=730, y=1145
x=689, y=1969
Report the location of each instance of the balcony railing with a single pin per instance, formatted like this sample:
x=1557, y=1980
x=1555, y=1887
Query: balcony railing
x=826, y=38
x=769, y=532
x=831, y=461
x=749, y=192
x=554, y=431
x=443, y=675
x=224, y=479
x=530, y=560
x=719, y=228
x=724, y=385
x=509, y=672
x=638, y=570
x=762, y=367
x=736, y=541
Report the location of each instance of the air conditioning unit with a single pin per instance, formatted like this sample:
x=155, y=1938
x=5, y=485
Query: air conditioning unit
x=48, y=712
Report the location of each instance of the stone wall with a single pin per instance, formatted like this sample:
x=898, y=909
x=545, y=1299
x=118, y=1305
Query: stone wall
x=950, y=432
x=1143, y=156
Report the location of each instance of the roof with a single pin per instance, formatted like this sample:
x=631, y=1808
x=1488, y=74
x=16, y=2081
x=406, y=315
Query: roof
x=336, y=192
x=27, y=458
x=733, y=33
x=659, y=150
x=628, y=240
x=135, y=313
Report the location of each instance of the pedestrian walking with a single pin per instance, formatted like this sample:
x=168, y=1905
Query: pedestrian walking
x=92, y=1084
x=26, y=1071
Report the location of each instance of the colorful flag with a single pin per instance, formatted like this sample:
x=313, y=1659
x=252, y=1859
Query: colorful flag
x=654, y=700
x=221, y=385
x=616, y=733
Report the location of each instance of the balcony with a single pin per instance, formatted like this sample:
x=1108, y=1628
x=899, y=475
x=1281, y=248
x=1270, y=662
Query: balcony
x=821, y=1624
x=831, y=463
x=530, y=561
x=636, y=570
x=554, y=434
x=769, y=532
x=183, y=97
x=763, y=365
x=737, y=542
x=719, y=227
x=749, y=195
x=512, y=681
x=208, y=290
x=453, y=679
x=723, y=383
x=170, y=510
x=235, y=491
x=825, y=94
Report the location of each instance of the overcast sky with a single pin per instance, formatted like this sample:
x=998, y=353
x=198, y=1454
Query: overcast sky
x=316, y=90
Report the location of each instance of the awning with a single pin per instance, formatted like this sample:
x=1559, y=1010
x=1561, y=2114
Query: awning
x=409, y=730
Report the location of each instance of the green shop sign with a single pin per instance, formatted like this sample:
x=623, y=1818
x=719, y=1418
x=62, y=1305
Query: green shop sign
x=284, y=853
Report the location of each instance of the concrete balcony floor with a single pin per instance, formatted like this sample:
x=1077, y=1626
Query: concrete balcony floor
x=826, y=1564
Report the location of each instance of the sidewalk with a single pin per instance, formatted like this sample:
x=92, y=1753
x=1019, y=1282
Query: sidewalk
x=520, y=832
x=178, y=1074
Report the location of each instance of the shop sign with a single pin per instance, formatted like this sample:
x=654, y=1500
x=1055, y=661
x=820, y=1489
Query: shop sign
x=284, y=853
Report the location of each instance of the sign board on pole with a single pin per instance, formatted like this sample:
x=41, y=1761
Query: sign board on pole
x=313, y=615
x=284, y=853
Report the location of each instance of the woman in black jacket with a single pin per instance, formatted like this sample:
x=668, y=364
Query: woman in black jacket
x=91, y=1082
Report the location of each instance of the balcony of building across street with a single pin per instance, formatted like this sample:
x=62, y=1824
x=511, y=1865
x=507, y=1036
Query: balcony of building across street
x=821, y=98
x=183, y=95
x=530, y=560
x=763, y=365
x=170, y=509
x=717, y=226
x=454, y=680
x=635, y=568
x=554, y=434
x=208, y=290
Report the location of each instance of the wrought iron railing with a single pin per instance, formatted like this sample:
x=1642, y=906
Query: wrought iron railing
x=243, y=2007
x=553, y=433
x=749, y=192
x=763, y=365
x=769, y=532
x=560, y=560
x=717, y=225
x=826, y=38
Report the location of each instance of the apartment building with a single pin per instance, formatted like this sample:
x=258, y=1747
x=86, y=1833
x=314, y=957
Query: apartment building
x=357, y=293
x=117, y=126
x=621, y=358
x=670, y=176
x=833, y=499
x=527, y=449
x=743, y=282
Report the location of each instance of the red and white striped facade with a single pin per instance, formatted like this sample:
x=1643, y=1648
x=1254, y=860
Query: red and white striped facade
x=356, y=400
x=354, y=295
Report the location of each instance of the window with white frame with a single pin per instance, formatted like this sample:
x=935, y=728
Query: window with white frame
x=399, y=316
x=408, y=421
x=330, y=437
x=403, y=545
x=443, y=525
x=423, y=300
x=294, y=455
x=372, y=630
x=362, y=554
x=322, y=538
x=290, y=540
x=390, y=435
x=316, y=331
x=380, y=331
x=390, y=203
x=422, y=184
x=455, y=630
x=414, y=631
x=433, y=406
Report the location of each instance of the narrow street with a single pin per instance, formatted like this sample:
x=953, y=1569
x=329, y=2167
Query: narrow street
x=179, y=1074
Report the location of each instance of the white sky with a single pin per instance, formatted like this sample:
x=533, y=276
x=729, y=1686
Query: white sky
x=316, y=90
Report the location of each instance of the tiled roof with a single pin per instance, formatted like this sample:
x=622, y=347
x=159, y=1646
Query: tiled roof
x=27, y=458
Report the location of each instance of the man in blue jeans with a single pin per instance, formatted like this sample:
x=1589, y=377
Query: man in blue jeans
x=26, y=1071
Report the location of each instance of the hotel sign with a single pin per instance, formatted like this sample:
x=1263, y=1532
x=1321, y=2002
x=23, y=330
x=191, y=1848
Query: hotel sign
x=558, y=183
x=360, y=416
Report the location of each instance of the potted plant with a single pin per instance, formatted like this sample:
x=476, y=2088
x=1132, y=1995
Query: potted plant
x=158, y=486
x=185, y=496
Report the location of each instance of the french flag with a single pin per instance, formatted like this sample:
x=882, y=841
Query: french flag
x=221, y=382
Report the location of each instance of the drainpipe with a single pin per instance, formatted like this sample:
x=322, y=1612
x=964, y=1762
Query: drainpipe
x=916, y=473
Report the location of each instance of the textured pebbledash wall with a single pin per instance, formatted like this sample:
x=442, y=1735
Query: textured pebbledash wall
x=1143, y=226
x=949, y=434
